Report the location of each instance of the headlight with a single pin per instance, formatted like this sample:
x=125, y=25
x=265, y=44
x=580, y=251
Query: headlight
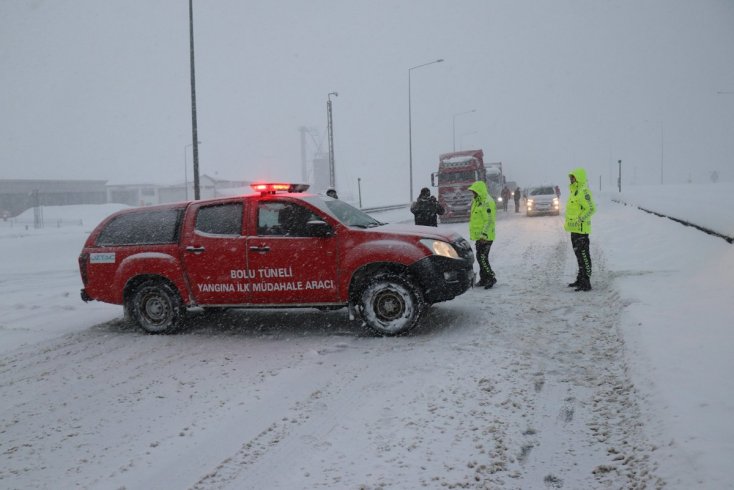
x=530, y=202
x=440, y=248
x=555, y=201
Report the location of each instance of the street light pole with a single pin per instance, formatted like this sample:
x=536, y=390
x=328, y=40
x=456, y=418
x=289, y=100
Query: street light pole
x=359, y=189
x=454, y=123
x=330, y=125
x=186, y=171
x=194, y=130
x=410, y=125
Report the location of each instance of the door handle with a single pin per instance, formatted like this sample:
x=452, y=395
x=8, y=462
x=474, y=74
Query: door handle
x=196, y=250
x=260, y=249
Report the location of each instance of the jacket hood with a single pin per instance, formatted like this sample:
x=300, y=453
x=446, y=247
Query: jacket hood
x=580, y=176
x=481, y=189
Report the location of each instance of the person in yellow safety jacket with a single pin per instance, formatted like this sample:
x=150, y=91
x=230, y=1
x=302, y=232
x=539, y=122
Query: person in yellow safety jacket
x=481, y=228
x=580, y=208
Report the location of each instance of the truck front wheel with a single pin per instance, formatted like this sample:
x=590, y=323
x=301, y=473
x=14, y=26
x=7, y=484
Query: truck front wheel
x=391, y=305
x=156, y=307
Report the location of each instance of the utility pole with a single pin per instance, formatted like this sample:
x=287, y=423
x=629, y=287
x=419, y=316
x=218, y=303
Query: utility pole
x=359, y=189
x=194, y=131
x=410, y=126
x=332, y=176
x=619, y=179
x=304, y=166
x=37, y=209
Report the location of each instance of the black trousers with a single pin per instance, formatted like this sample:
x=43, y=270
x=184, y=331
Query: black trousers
x=580, y=244
x=485, y=270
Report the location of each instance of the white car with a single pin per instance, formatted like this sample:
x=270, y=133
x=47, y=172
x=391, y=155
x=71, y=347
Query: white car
x=543, y=200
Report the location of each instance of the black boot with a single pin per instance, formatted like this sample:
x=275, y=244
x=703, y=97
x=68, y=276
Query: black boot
x=575, y=284
x=491, y=283
x=584, y=284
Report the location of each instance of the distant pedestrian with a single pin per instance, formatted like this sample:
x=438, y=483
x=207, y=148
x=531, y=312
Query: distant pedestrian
x=516, y=196
x=482, y=221
x=579, y=210
x=558, y=192
x=332, y=193
x=505, y=197
x=426, y=209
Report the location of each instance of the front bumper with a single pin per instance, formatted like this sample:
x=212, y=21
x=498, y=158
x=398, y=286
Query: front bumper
x=543, y=208
x=443, y=278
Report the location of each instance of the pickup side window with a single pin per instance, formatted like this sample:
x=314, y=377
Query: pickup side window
x=283, y=219
x=220, y=219
x=141, y=228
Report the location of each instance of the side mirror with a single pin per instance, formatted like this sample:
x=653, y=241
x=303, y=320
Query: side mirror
x=320, y=229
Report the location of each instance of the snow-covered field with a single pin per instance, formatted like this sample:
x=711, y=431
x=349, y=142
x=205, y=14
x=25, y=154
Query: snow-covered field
x=528, y=385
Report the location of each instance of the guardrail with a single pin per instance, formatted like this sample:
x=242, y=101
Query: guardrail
x=678, y=220
x=46, y=223
x=385, y=208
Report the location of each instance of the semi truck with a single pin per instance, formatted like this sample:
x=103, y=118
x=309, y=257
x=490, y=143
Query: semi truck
x=456, y=172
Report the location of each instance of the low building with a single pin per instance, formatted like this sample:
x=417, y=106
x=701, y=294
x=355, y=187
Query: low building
x=133, y=194
x=17, y=195
x=208, y=187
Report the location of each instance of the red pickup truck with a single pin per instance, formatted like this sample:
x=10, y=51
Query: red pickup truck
x=277, y=248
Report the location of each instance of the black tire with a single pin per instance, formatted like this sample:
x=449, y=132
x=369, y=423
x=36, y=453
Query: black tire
x=391, y=305
x=156, y=307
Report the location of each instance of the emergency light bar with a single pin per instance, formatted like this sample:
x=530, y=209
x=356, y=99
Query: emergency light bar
x=272, y=188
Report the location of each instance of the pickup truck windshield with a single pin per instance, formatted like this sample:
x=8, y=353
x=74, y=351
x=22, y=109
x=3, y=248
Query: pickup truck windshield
x=349, y=215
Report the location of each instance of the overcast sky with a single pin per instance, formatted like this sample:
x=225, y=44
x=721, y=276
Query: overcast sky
x=100, y=89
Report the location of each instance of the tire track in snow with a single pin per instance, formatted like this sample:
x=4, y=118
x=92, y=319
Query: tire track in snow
x=583, y=423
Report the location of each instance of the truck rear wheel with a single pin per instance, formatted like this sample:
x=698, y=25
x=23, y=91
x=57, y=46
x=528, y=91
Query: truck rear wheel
x=156, y=307
x=391, y=305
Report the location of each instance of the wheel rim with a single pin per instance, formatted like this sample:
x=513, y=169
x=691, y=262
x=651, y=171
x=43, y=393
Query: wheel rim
x=156, y=309
x=389, y=305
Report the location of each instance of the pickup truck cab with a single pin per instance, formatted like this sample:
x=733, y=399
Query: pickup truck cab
x=278, y=248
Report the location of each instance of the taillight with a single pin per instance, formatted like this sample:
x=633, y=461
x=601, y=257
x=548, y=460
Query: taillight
x=83, y=263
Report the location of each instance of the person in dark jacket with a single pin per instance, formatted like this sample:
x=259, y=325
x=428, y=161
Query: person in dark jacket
x=426, y=209
x=331, y=192
x=505, y=194
x=516, y=196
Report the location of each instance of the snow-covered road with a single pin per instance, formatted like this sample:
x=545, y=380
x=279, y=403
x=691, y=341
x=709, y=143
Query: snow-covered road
x=522, y=386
